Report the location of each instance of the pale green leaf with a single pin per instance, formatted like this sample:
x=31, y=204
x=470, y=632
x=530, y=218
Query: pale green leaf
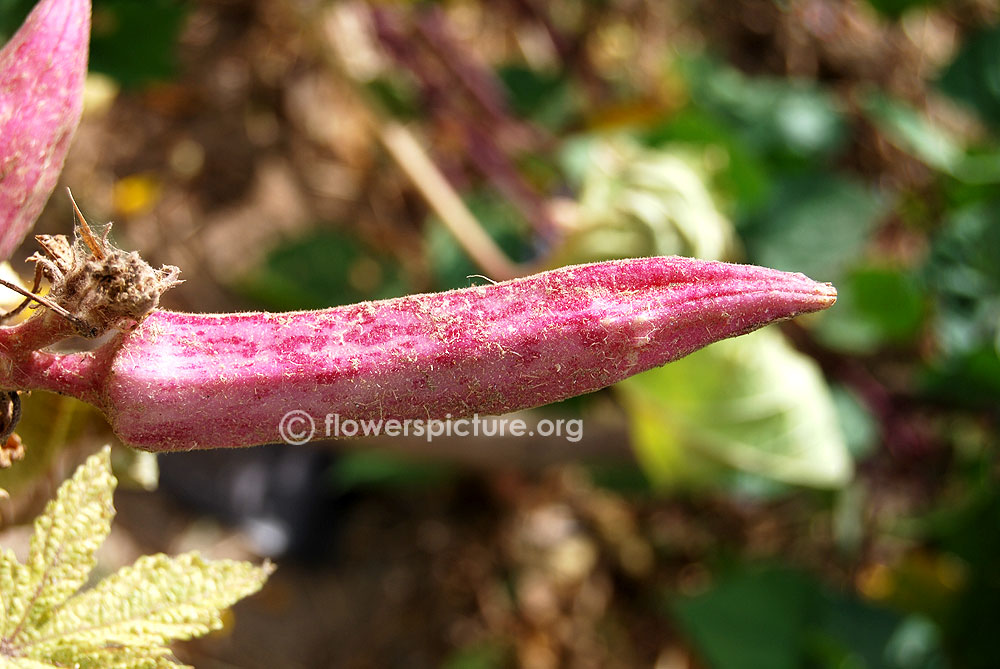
x=932, y=143
x=67, y=534
x=753, y=403
x=15, y=590
x=635, y=201
x=113, y=657
x=156, y=600
x=28, y=663
x=127, y=620
x=914, y=133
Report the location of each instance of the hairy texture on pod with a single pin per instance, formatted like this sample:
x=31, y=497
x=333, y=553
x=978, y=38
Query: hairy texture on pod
x=42, y=73
x=185, y=381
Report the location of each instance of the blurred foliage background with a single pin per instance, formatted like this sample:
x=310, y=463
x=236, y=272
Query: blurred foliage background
x=820, y=494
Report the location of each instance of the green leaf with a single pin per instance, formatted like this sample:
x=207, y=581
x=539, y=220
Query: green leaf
x=479, y=656
x=12, y=15
x=973, y=77
x=876, y=307
x=766, y=617
x=400, y=100
x=743, y=177
x=363, y=468
x=546, y=98
x=970, y=378
x=154, y=601
x=964, y=276
x=859, y=426
x=48, y=421
x=787, y=120
x=134, y=42
x=324, y=268
x=896, y=8
x=67, y=535
x=753, y=403
x=817, y=224
x=752, y=620
x=635, y=201
x=913, y=133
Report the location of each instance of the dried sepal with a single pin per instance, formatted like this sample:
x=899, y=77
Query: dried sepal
x=101, y=285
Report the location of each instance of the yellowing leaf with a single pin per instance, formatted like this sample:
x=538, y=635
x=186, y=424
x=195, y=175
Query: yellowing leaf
x=752, y=403
x=126, y=620
x=67, y=534
x=156, y=600
x=115, y=657
x=28, y=663
x=15, y=590
x=637, y=201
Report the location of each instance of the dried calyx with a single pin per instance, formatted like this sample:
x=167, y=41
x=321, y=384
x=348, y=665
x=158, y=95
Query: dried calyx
x=96, y=286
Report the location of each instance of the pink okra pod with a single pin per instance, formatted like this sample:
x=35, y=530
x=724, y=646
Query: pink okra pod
x=185, y=381
x=42, y=73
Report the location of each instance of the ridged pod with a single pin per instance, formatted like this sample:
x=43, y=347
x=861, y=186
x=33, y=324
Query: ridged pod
x=42, y=72
x=184, y=381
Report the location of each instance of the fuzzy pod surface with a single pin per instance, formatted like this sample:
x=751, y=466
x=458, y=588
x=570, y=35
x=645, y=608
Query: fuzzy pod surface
x=42, y=73
x=185, y=381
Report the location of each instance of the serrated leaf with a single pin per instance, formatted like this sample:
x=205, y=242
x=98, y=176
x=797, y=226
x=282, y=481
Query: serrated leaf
x=154, y=601
x=66, y=537
x=753, y=403
x=127, y=620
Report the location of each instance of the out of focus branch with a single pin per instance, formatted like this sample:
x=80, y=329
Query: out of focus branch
x=422, y=172
x=445, y=202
